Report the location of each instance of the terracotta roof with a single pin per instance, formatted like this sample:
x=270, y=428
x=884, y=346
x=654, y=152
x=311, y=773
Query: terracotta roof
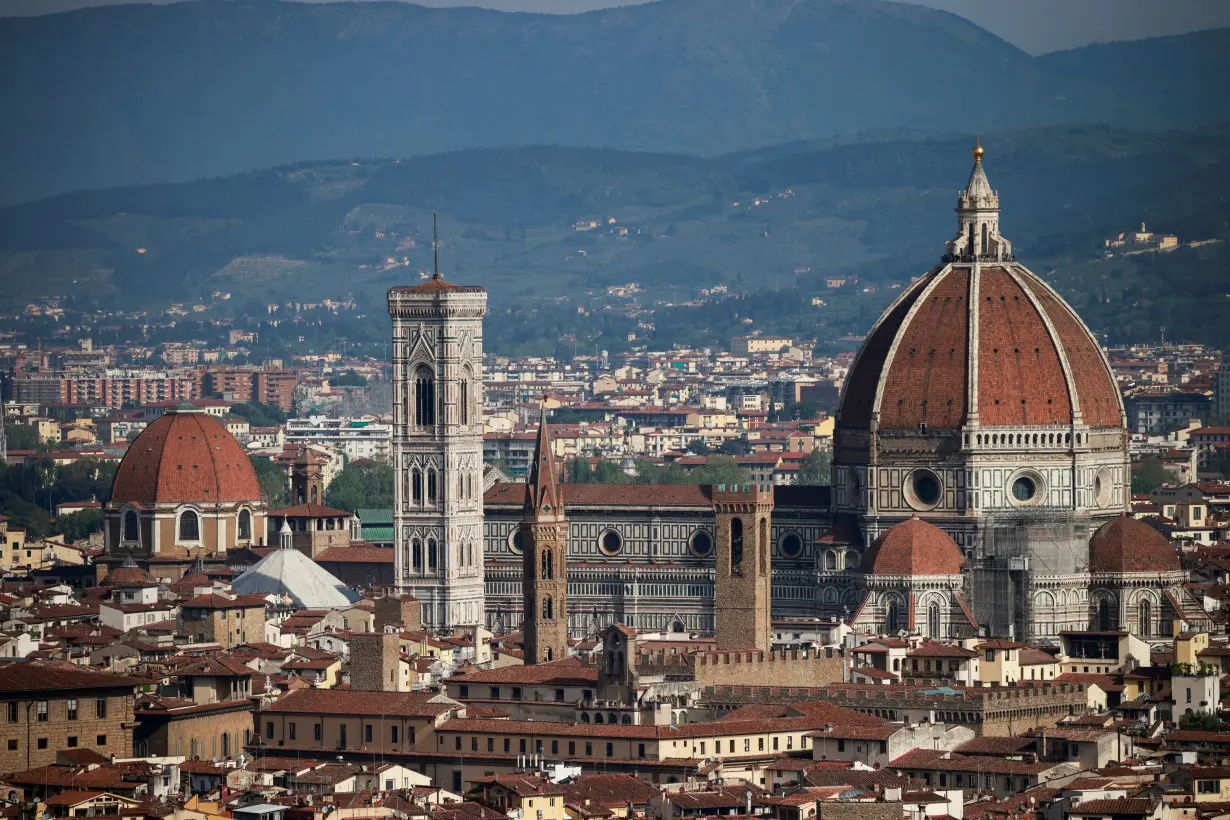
x=1115, y=806
x=915, y=366
x=356, y=555
x=26, y=676
x=913, y=547
x=1125, y=544
x=310, y=511
x=437, y=285
x=185, y=457
x=215, y=601
x=354, y=702
x=564, y=671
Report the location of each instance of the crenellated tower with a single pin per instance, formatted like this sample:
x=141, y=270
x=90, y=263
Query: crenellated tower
x=743, y=588
x=544, y=540
x=438, y=448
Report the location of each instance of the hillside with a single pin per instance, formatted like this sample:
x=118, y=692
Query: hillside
x=140, y=93
x=533, y=226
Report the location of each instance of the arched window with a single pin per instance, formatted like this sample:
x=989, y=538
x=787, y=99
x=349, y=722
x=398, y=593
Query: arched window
x=431, y=486
x=983, y=249
x=970, y=249
x=432, y=555
x=1104, y=624
x=245, y=525
x=418, y=556
x=416, y=486
x=890, y=619
x=736, y=546
x=132, y=526
x=933, y=620
x=762, y=545
x=548, y=655
x=464, y=400
x=598, y=718
x=830, y=560
x=314, y=494
x=585, y=717
x=424, y=397
x=548, y=565
x=189, y=526
x=1144, y=618
x=548, y=609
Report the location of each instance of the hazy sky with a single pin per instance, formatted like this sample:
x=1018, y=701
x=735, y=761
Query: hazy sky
x=1034, y=25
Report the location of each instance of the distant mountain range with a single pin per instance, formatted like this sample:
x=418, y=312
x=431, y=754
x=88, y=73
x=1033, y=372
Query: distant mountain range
x=135, y=94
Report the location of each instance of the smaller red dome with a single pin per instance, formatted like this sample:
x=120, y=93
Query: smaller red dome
x=1124, y=544
x=185, y=457
x=913, y=547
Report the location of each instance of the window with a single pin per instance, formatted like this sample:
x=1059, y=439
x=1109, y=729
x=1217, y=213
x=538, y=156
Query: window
x=491, y=744
x=416, y=486
x=12, y=711
x=465, y=400
x=316, y=732
x=72, y=741
x=841, y=745
x=245, y=525
x=40, y=711
x=736, y=546
x=392, y=734
x=589, y=749
x=537, y=747
x=610, y=750
x=559, y=694
x=990, y=655
x=12, y=745
x=367, y=733
x=424, y=397
x=731, y=745
x=457, y=782
x=554, y=747
x=474, y=744
x=131, y=526
x=42, y=743
x=72, y=708
x=572, y=748
x=465, y=692
x=1204, y=786
x=290, y=730
x=431, y=486
x=495, y=693
x=189, y=526
x=457, y=743
x=100, y=707
x=507, y=745
x=432, y=554
x=760, y=745
x=269, y=729
x=516, y=693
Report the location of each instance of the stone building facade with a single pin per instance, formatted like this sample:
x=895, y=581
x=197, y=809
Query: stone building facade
x=227, y=620
x=438, y=448
x=49, y=706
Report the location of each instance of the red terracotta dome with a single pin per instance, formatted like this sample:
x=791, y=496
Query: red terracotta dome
x=1029, y=355
x=1124, y=544
x=185, y=457
x=913, y=547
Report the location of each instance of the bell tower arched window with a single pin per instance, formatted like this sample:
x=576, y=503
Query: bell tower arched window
x=431, y=486
x=433, y=557
x=548, y=609
x=424, y=397
x=418, y=556
x=464, y=399
x=416, y=486
x=736, y=546
x=132, y=526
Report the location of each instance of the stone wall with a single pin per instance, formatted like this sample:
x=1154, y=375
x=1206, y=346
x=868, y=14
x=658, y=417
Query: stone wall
x=374, y=661
x=28, y=742
x=793, y=667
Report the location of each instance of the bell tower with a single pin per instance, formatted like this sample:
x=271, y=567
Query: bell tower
x=743, y=589
x=438, y=448
x=544, y=540
x=307, y=482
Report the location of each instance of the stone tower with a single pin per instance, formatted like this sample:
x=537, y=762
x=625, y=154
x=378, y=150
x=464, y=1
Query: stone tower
x=307, y=481
x=375, y=663
x=438, y=448
x=742, y=593
x=544, y=540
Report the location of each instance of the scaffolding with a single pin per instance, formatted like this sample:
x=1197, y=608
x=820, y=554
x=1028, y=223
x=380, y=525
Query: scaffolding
x=1020, y=546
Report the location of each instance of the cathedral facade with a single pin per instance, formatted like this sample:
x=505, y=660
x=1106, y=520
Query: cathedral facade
x=980, y=443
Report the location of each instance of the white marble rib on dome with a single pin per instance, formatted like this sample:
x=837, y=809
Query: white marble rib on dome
x=291, y=573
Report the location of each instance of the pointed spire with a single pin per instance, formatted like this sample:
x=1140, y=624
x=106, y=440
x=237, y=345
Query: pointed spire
x=978, y=191
x=129, y=561
x=543, y=486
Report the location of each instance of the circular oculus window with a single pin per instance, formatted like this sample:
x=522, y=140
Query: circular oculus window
x=923, y=490
x=610, y=542
x=516, y=541
x=790, y=545
x=701, y=543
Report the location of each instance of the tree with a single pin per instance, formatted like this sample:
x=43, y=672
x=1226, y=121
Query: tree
x=1203, y=721
x=816, y=469
x=22, y=437
x=260, y=415
x=698, y=447
x=272, y=481
x=79, y=525
x=361, y=484
x=349, y=379
x=1148, y=474
x=721, y=470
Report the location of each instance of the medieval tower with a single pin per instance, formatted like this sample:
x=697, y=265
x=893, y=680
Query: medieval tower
x=544, y=539
x=742, y=593
x=438, y=448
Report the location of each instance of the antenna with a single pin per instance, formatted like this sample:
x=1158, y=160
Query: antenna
x=435, y=246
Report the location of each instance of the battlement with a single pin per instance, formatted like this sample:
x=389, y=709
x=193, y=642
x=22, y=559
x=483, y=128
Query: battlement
x=914, y=695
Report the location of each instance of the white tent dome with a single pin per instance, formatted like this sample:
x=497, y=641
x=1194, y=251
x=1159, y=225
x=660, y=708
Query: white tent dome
x=291, y=573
